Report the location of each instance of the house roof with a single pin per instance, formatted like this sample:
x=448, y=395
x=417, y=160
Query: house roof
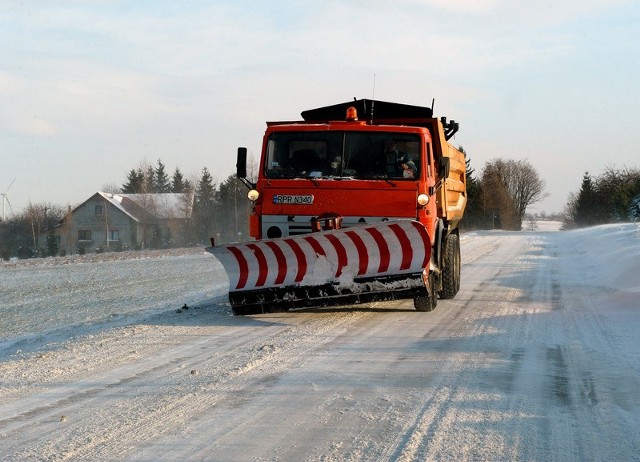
x=146, y=207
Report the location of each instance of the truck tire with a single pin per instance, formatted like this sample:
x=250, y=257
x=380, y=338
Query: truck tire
x=429, y=301
x=450, y=267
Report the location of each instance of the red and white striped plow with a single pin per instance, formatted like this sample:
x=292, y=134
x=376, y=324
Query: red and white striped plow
x=337, y=261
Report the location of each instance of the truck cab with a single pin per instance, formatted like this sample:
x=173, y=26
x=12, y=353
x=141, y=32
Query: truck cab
x=363, y=171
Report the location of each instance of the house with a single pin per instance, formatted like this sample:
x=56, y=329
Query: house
x=109, y=221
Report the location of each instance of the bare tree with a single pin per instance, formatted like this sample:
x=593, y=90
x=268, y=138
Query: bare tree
x=35, y=214
x=496, y=202
x=252, y=168
x=570, y=212
x=38, y=218
x=111, y=188
x=521, y=182
x=66, y=230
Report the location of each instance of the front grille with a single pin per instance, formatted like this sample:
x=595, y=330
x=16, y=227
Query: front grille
x=302, y=224
x=297, y=229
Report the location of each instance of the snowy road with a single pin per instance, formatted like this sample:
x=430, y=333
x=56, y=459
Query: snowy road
x=537, y=358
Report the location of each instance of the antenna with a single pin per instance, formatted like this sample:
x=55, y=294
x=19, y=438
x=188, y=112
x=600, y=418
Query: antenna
x=373, y=97
x=373, y=93
x=5, y=198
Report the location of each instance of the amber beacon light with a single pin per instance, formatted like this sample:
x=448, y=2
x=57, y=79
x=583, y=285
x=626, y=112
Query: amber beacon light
x=352, y=114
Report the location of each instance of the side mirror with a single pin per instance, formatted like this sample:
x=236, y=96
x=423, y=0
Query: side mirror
x=445, y=166
x=241, y=163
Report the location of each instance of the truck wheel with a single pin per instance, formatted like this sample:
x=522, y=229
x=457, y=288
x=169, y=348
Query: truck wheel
x=429, y=301
x=450, y=267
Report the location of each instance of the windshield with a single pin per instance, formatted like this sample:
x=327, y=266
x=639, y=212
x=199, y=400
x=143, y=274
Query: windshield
x=342, y=154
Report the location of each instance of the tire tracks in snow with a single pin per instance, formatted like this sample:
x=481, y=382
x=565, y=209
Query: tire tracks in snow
x=521, y=365
x=466, y=404
x=228, y=365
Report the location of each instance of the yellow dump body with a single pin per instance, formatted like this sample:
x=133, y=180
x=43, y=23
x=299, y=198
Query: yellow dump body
x=451, y=191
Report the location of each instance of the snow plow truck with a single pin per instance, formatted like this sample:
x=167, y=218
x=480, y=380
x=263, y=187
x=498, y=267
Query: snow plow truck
x=358, y=202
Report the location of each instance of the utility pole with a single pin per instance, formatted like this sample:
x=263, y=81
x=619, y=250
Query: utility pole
x=106, y=222
x=69, y=220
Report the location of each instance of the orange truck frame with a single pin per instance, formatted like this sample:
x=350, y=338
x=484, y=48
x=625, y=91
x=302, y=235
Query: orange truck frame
x=359, y=201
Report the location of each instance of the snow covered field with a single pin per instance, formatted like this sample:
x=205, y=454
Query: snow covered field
x=537, y=358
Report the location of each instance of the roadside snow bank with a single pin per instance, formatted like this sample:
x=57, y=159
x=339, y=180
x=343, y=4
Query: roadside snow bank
x=106, y=256
x=44, y=300
x=609, y=254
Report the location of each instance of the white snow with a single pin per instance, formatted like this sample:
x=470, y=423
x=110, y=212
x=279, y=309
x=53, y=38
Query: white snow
x=136, y=356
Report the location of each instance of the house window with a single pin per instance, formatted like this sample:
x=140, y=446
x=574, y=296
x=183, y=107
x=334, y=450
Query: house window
x=84, y=235
x=98, y=210
x=114, y=235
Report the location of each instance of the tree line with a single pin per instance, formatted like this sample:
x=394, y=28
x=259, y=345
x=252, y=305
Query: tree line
x=497, y=198
x=612, y=197
x=219, y=210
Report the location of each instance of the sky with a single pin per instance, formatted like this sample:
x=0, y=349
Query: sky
x=90, y=90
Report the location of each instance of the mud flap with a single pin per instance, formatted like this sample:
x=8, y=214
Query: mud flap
x=365, y=263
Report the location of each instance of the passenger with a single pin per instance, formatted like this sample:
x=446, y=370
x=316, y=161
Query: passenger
x=399, y=163
x=409, y=169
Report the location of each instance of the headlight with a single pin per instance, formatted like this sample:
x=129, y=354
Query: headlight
x=423, y=199
x=253, y=195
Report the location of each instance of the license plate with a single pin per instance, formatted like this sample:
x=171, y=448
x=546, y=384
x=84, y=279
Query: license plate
x=290, y=199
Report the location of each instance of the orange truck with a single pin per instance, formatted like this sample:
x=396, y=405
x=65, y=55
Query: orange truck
x=358, y=202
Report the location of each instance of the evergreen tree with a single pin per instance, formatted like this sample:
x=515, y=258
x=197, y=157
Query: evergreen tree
x=474, y=210
x=634, y=209
x=178, y=183
x=148, y=184
x=161, y=179
x=585, y=208
x=135, y=182
x=53, y=244
x=233, y=210
x=204, y=207
x=206, y=191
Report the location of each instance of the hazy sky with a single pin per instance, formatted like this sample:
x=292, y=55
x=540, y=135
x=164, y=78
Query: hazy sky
x=92, y=89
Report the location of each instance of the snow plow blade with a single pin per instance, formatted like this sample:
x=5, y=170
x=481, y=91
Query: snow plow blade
x=384, y=261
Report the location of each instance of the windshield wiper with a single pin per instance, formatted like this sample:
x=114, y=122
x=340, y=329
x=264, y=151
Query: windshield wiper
x=374, y=177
